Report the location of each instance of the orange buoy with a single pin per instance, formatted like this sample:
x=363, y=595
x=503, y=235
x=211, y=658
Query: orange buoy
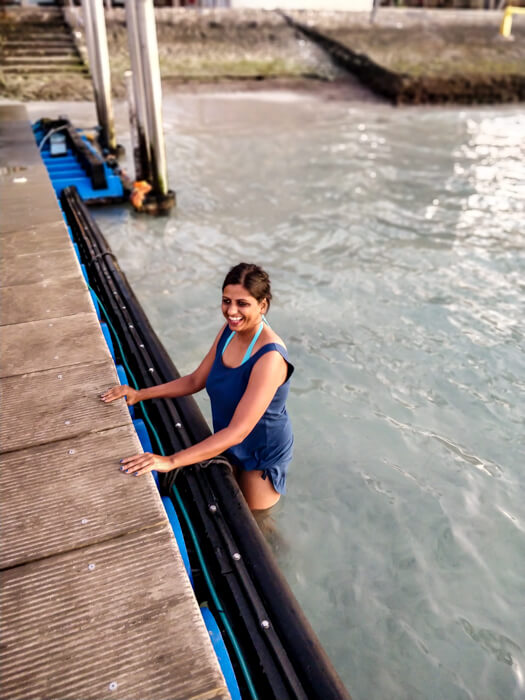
x=138, y=193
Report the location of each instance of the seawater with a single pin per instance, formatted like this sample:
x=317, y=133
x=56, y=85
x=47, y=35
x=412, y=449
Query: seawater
x=395, y=239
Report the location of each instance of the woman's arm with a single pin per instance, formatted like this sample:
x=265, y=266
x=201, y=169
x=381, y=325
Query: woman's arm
x=183, y=386
x=266, y=377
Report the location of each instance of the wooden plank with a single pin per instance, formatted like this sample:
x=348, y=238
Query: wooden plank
x=13, y=175
x=42, y=345
x=80, y=497
x=17, y=142
x=17, y=218
x=18, y=147
x=58, y=404
x=19, y=154
x=12, y=114
x=36, y=267
x=50, y=299
x=35, y=238
x=33, y=198
x=22, y=191
x=118, y=619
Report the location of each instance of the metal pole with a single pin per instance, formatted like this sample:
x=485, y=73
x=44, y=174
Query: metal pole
x=97, y=43
x=143, y=163
x=373, y=12
x=132, y=110
x=153, y=92
x=88, y=30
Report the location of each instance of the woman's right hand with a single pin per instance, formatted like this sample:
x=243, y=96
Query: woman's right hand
x=117, y=392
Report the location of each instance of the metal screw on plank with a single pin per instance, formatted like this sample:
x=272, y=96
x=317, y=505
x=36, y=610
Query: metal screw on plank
x=71, y=452
x=150, y=369
x=84, y=521
x=91, y=567
x=59, y=376
x=130, y=326
x=178, y=425
x=113, y=686
x=141, y=345
x=212, y=508
x=67, y=422
x=236, y=556
x=265, y=624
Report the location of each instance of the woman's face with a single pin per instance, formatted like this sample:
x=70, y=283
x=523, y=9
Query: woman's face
x=240, y=309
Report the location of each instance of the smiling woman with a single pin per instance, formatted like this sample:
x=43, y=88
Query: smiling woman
x=247, y=376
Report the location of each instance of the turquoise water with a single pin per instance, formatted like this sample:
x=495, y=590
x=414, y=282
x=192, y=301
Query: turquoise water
x=395, y=240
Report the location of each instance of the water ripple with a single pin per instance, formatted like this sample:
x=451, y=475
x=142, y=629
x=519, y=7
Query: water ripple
x=396, y=246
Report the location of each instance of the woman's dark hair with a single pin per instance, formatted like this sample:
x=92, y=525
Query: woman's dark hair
x=253, y=278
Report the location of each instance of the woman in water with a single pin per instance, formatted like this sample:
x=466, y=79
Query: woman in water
x=246, y=373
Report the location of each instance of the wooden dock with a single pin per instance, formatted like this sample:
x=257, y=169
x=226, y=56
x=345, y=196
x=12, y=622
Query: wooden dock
x=95, y=601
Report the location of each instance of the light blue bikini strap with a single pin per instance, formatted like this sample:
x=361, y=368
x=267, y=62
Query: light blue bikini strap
x=250, y=347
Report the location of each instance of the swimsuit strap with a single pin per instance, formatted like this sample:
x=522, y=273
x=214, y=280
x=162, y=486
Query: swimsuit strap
x=250, y=347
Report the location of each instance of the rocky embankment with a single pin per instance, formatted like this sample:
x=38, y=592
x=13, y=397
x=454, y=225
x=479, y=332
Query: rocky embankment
x=406, y=55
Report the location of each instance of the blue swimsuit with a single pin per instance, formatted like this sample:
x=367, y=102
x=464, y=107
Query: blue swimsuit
x=269, y=445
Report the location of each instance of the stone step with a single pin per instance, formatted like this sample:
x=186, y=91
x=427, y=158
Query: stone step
x=30, y=36
x=15, y=45
x=35, y=36
x=43, y=68
x=28, y=50
x=50, y=61
x=42, y=28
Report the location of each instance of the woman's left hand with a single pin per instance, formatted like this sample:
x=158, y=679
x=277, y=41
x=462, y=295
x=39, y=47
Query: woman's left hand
x=144, y=463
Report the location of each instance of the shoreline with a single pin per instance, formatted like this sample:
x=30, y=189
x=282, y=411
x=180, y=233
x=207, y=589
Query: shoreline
x=412, y=56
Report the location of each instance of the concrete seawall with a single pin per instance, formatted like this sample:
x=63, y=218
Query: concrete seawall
x=439, y=55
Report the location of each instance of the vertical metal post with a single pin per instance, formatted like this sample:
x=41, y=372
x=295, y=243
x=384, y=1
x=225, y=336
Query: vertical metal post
x=153, y=92
x=133, y=126
x=88, y=30
x=97, y=44
x=373, y=12
x=143, y=162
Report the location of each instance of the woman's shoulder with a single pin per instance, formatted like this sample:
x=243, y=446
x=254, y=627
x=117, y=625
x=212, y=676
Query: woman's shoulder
x=272, y=341
x=270, y=336
x=220, y=335
x=219, y=338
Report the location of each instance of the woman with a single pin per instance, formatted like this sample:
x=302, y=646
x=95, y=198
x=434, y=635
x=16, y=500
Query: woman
x=246, y=373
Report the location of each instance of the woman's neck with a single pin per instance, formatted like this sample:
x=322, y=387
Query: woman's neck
x=247, y=334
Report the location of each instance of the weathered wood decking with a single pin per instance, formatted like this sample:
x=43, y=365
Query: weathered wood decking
x=95, y=602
